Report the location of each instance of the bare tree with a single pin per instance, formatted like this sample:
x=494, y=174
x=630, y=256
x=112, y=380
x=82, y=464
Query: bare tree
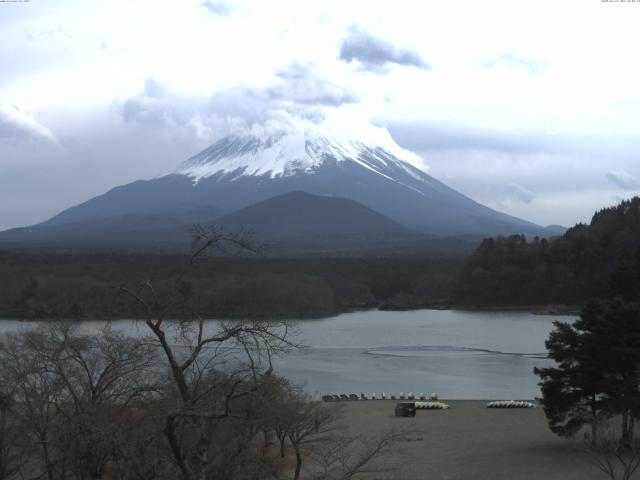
x=73, y=391
x=35, y=393
x=317, y=432
x=309, y=423
x=617, y=458
x=11, y=460
x=196, y=356
x=345, y=457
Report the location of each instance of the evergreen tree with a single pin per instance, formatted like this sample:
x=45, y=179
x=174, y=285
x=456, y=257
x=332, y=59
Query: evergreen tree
x=598, y=369
x=572, y=392
x=617, y=328
x=625, y=279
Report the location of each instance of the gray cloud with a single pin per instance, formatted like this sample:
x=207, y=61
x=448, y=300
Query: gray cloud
x=623, y=179
x=298, y=92
x=217, y=7
x=430, y=137
x=17, y=126
x=243, y=102
x=521, y=193
x=96, y=153
x=374, y=53
x=157, y=107
x=515, y=60
x=152, y=106
x=302, y=85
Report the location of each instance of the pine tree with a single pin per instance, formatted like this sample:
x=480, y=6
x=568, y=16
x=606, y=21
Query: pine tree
x=617, y=327
x=598, y=369
x=572, y=392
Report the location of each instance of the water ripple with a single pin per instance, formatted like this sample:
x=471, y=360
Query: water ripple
x=425, y=350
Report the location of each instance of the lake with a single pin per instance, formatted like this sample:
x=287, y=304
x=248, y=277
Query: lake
x=457, y=354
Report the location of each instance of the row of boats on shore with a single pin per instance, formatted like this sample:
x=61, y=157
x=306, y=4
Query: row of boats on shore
x=374, y=396
x=423, y=401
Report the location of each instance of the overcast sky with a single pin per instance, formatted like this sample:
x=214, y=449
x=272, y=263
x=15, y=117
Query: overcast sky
x=530, y=107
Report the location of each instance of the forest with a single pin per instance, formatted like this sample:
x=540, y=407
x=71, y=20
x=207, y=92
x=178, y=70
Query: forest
x=85, y=286
x=588, y=261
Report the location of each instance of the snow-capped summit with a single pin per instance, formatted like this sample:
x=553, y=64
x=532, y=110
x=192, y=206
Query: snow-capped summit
x=301, y=149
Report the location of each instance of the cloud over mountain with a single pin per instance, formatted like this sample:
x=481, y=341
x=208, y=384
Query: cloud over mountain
x=18, y=126
x=623, y=179
x=375, y=53
x=298, y=91
x=521, y=193
x=302, y=85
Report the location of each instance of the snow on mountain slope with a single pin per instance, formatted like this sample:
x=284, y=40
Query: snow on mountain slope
x=302, y=150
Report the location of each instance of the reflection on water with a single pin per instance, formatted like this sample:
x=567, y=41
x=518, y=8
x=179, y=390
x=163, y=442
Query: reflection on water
x=458, y=354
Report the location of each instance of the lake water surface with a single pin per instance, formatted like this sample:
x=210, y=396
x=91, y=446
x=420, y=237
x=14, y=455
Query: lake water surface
x=458, y=354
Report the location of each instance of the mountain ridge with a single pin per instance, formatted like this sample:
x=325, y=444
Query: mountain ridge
x=301, y=213
x=365, y=166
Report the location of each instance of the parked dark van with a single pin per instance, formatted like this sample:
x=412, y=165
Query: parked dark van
x=405, y=409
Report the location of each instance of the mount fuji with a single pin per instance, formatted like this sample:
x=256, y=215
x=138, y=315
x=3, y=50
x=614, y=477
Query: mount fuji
x=363, y=166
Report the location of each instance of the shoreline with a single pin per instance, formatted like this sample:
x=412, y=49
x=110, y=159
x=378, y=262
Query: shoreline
x=560, y=310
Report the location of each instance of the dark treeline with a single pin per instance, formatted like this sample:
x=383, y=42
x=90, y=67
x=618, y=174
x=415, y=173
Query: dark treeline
x=588, y=261
x=82, y=286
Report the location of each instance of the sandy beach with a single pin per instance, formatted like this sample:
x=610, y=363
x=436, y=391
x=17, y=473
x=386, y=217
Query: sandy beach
x=470, y=441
